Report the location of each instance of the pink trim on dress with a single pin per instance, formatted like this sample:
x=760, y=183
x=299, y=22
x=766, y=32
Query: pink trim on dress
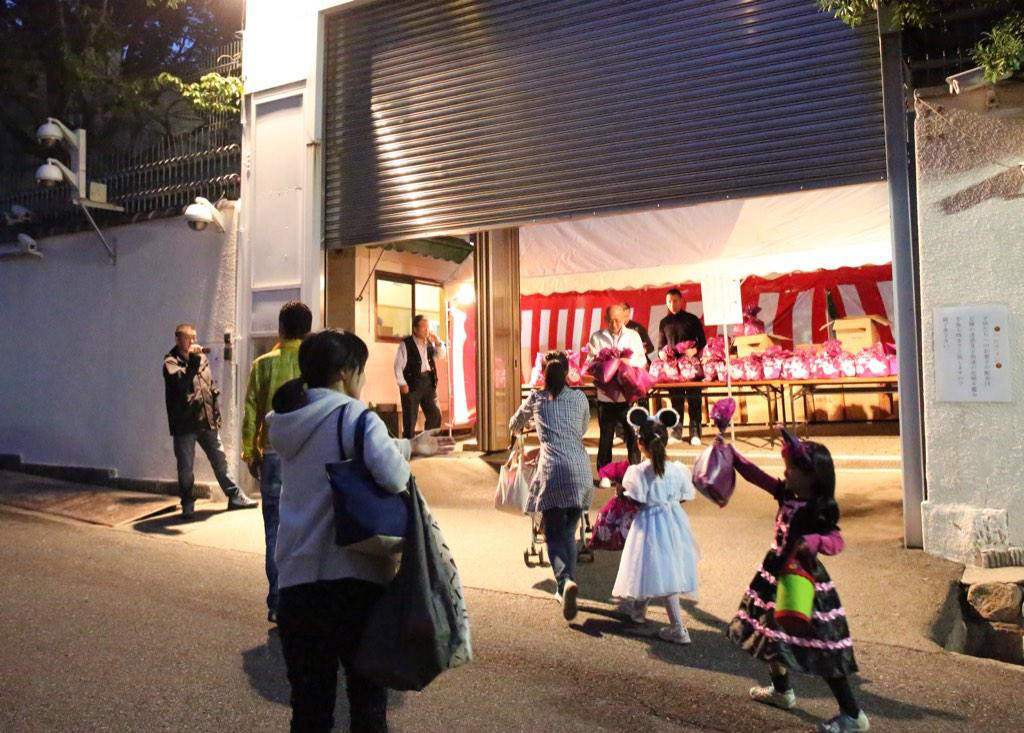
x=782, y=636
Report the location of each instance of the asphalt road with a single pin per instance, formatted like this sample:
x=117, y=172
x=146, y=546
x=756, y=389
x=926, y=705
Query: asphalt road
x=122, y=631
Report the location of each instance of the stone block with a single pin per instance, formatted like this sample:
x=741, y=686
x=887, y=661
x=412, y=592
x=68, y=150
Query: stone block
x=1004, y=642
x=959, y=532
x=996, y=601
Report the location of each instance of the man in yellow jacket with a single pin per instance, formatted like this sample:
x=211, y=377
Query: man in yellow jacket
x=269, y=372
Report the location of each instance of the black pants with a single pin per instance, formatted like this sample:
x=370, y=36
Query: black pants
x=421, y=394
x=691, y=398
x=321, y=625
x=610, y=414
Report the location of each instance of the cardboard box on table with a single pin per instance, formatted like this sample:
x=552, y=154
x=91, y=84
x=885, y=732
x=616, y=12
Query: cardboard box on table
x=747, y=345
x=856, y=334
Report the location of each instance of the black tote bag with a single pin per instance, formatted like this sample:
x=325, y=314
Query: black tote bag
x=419, y=627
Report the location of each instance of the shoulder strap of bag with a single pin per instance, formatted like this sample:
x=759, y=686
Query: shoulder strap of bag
x=360, y=435
x=341, y=442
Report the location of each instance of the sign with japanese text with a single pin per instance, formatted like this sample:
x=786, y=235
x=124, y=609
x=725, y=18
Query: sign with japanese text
x=972, y=353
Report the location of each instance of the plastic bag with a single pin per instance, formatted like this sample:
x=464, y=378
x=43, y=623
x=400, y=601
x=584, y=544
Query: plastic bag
x=612, y=524
x=752, y=325
x=514, y=480
x=713, y=474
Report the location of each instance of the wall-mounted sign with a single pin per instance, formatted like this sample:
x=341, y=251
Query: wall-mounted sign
x=972, y=353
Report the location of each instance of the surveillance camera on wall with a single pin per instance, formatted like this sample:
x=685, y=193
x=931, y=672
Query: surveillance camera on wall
x=25, y=246
x=201, y=214
x=49, y=134
x=18, y=215
x=49, y=174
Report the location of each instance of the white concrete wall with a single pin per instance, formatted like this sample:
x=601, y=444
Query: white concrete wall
x=83, y=343
x=971, y=220
x=280, y=41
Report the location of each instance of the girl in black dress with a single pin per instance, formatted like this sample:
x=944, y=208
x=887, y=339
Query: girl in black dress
x=806, y=525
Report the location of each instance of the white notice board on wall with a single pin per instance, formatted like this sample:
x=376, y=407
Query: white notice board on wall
x=721, y=299
x=972, y=353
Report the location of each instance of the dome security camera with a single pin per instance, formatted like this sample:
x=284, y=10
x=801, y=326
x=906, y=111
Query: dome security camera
x=49, y=134
x=49, y=175
x=201, y=214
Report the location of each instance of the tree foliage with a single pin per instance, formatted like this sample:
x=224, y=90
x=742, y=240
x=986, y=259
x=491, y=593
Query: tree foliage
x=94, y=63
x=1000, y=53
x=213, y=94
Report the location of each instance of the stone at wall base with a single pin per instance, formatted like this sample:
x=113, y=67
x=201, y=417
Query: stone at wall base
x=1001, y=558
x=996, y=601
x=1004, y=642
x=958, y=532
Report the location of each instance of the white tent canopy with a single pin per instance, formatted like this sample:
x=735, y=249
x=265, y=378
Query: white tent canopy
x=808, y=230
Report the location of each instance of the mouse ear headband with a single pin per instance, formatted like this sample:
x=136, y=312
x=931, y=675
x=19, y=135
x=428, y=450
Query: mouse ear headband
x=639, y=416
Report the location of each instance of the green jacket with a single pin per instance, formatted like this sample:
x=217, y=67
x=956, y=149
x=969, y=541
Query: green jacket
x=269, y=372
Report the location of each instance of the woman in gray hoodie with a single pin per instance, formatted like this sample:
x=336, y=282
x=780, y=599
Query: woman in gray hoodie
x=327, y=591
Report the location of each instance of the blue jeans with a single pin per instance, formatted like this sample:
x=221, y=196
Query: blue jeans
x=560, y=535
x=270, y=495
x=185, y=455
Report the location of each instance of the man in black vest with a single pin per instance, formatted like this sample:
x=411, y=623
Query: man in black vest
x=416, y=374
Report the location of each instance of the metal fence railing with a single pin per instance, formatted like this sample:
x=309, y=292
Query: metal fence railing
x=153, y=181
x=225, y=60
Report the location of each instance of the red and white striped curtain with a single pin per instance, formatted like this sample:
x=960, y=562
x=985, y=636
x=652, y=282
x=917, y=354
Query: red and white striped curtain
x=792, y=305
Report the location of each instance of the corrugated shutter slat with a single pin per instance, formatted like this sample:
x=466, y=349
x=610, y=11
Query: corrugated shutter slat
x=446, y=117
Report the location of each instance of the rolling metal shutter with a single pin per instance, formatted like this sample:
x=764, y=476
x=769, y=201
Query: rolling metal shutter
x=445, y=117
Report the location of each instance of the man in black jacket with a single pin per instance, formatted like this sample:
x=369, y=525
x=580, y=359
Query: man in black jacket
x=416, y=374
x=193, y=417
x=639, y=328
x=676, y=327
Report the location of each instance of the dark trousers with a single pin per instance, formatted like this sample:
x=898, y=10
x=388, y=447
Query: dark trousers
x=560, y=536
x=690, y=398
x=421, y=394
x=270, y=501
x=321, y=625
x=609, y=415
x=185, y=457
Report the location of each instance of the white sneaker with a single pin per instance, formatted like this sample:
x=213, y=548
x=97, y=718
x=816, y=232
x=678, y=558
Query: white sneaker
x=769, y=696
x=569, y=593
x=695, y=441
x=604, y=483
x=674, y=634
x=843, y=723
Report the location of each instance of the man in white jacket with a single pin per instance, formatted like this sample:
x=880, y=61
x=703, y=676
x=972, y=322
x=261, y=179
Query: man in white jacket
x=611, y=411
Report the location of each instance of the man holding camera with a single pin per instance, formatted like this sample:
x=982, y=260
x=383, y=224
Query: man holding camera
x=193, y=417
x=269, y=372
x=416, y=374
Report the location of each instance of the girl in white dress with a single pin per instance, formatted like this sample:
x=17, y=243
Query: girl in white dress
x=659, y=559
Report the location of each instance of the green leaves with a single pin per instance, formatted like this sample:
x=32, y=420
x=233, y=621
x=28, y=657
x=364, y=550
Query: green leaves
x=1001, y=52
x=212, y=94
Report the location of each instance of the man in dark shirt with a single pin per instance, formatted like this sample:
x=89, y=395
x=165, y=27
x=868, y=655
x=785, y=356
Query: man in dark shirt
x=193, y=417
x=638, y=327
x=676, y=327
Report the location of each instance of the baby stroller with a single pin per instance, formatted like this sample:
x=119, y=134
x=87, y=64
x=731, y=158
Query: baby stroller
x=533, y=555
